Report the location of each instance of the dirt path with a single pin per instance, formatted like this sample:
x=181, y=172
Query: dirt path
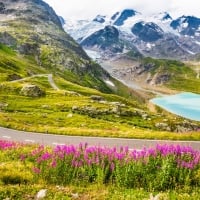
x=49, y=76
x=52, y=83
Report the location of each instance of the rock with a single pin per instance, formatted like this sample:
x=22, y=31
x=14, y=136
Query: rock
x=186, y=127
x=145, y=116
x=75, y=195
x=41, y=194
x=148, y=32
x=2, y=7
x=72, y=93
x=13, y=77
x=103, y=102
x=29, y=48
x=3, y=106
x=7, y=39
x=74, y=108
x=157, y=197
x=128, y=113
x=97, y=98
x=116, y=110
x=69, y=115
x=105, y=39
x=117, y=104
x=160, y=79
x=45, y=106
x=163, y=126
x=32, y=91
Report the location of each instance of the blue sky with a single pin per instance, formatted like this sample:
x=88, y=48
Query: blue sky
x=81, y=9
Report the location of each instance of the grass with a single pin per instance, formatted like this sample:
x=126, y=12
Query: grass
x=182, y=76
x=56, y=109
x=92, y=118
x=12, y=63
x=20, y=182
x=58, y=118
x=91, y=192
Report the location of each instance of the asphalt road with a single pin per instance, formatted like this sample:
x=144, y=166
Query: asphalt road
x=52, y=140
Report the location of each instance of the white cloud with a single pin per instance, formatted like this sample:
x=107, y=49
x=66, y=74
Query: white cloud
x=90, y=8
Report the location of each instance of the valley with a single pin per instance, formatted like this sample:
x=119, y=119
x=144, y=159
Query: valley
x=77, y=95
x=100, y=108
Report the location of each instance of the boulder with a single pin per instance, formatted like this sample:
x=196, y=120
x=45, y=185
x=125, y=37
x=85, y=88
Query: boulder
x=41, y=194
x=3, y=106
x=32, y=91
x=163, y=126
x=97, y=98
x=13, y=77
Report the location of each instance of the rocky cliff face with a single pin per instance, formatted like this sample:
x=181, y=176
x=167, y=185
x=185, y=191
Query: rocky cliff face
x=125, y=14
x=32, y=28
x=104, y=39
x=148, y=32
x=187, y=25
x=32, y=23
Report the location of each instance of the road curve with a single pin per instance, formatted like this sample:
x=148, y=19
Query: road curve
x=49, y=76
x=52, y=140
x=51, y=82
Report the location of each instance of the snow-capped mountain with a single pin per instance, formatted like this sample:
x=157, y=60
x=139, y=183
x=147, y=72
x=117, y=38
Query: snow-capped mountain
x=123, y=16
x=147, y=32
x=157, y=35
x=187, y=25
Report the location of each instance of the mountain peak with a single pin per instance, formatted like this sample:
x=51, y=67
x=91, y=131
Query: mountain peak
x=106, y=41
x=115, y=16
x=99, y=18
x=187, y=25
x=148, y=32
x=166, y=16
x=156, y=35
x=125, y=14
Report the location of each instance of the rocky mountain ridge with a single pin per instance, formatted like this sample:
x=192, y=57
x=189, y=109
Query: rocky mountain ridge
x=158, y=36
x=33, y=29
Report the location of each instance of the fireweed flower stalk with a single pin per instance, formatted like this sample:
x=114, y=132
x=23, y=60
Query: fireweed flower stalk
x=7, y=145
x=162, y=167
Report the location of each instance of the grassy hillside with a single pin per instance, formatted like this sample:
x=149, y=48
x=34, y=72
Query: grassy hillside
x=181, y=76
x=34, y=30
x=83, y=103
x=73, y=109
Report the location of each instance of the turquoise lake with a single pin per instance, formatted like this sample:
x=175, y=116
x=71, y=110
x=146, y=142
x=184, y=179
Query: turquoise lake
x=184, y=104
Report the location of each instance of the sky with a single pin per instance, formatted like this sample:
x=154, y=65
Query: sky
x=83, y=9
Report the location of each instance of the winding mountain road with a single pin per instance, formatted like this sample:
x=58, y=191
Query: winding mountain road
x=51, y=82
x=52, y=140
x=49, y=76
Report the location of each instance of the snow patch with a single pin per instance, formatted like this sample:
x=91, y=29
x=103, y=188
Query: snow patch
x=184, y=25
x=149, y=45
x=93, y=54
x=197, y=34
x=81, y=29
x=110, y=83
x=197, y=42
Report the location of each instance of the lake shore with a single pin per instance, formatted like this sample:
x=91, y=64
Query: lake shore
x=184, y=104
